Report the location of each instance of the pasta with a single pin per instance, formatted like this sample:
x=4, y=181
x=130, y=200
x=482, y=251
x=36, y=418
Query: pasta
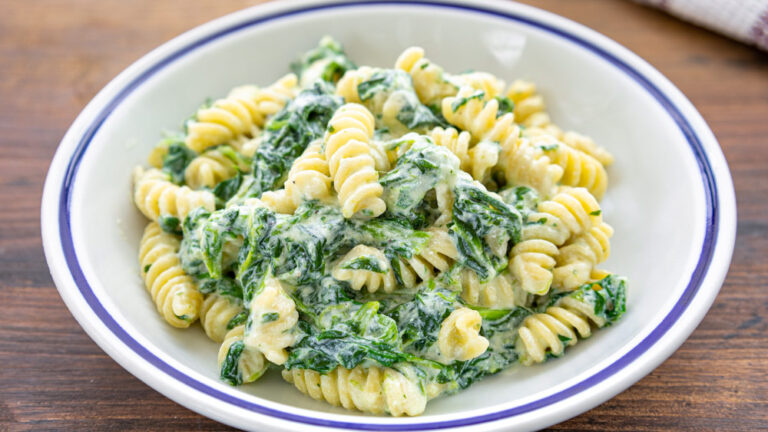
x=237, y=117
x=432, y=84
x=375, y=390
x=238, y=362
x=273, y=317
x=308, y=179
x=533, y=259
x=478, y=160
x=367, y=267
x=459, y=337
x=210, y=169
x=156, y=196
x=217, y=313
x=561, y=325
x=380, y=236
x=437, y=256
x=522, y=163
x=351, y=165
x=172, y=290
x=530, y=111
x=501, y=292
x=428, y=80
x=579, y=168
x=576, y=260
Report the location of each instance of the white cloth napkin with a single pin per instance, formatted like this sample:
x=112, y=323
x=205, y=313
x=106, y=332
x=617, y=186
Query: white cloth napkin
x=744, y=20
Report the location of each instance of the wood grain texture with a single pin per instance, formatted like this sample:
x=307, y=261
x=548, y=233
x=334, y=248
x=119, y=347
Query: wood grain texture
x=55, y=55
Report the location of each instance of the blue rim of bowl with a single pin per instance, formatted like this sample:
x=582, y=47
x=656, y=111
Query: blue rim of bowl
x=708, y=247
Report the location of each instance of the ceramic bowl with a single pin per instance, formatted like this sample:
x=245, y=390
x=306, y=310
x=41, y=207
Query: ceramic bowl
x=670, y=201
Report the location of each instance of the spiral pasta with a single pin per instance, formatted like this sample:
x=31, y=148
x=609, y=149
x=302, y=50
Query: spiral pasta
x=156, y=196
x=427, y=77
x=521, y=163
x=250, y=363
x=347, y=85
x=527, y=101
x=526, y=165
x=375, y=390
x=490, y=85
x=501, y=292
x=459, y=337
x=273, y=319
x=437, y=256
x=237, y=117
x=478, y=160
x=532, y=261
x=578, y=258
x=351, y=165
x=173, y=291
x=209, y=169
x=469, y=111
x=365, y=267
x=559, y=326
x=308, y=179
x=579, y=168
x=216, y=313
x=432, y=84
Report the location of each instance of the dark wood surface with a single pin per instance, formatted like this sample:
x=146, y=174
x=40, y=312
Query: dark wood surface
x=55, y=55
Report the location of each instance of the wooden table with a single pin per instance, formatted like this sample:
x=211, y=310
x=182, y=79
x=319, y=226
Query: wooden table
x=55, y=55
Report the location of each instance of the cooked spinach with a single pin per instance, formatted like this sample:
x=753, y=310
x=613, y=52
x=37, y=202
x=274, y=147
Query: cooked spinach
x=394, y=87
x=177, y=159
x=506, y=105
x=419, y=319
x=169, y=224
x=365, y=262
x=238, y=319
x=288, y=133
x=327, y=61
x=522, y=198
x=608, y=296
x=226, y=189
x=417, y=171
x=190, y=251
x=230, y=371
x=480, y=218
x=460, y=102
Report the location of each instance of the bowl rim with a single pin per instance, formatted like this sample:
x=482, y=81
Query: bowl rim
x=704, y=284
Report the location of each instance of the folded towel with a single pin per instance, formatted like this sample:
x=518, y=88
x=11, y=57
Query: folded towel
x=744, y=20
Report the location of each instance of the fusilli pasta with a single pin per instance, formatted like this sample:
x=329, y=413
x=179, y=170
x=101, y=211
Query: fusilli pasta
x=501, y=292
x=217, y=313
x=209, y=169
x=250, y=364
x=559, y=326
x=156, y=196
x=308, y=179
x=478, y=160
x=375, y=390
x=532, y=261
x=367, y=267
x=459, y=338
x=237, y=117
x=428, y=78
x=437, y=256
x=173, y=291
x=578, y=258
x=352, y=167
x=272, y=322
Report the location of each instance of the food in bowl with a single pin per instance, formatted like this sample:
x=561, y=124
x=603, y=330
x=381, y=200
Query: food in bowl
x=383, y=236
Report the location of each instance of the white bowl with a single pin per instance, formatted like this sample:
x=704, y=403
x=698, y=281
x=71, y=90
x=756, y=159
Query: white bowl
x=670, y=200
